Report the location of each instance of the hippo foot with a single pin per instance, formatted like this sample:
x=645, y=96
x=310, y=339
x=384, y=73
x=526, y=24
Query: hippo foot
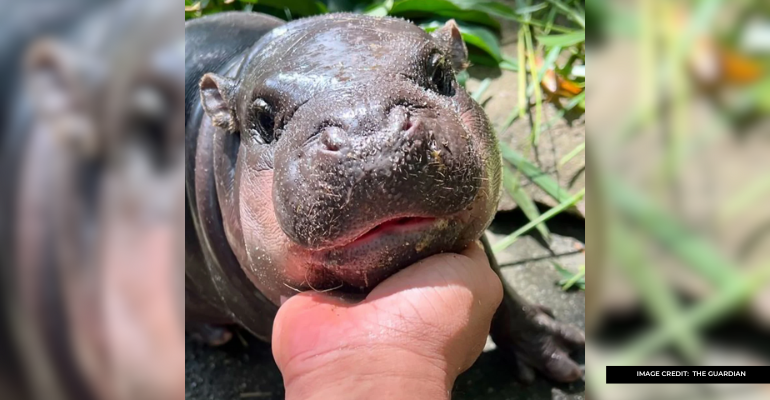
x=211, y=335
x=536, y=341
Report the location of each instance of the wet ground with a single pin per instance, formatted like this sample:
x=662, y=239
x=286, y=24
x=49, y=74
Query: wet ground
x=244, y=368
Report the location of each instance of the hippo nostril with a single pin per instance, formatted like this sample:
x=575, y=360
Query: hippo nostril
x=333, y=138
x=407, y=123
x=405, y=118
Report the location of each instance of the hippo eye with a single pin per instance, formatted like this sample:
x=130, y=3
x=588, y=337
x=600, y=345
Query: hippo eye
x=263, y=121
x=440, y=75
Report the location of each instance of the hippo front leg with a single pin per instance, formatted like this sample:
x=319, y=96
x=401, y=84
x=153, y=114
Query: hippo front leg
x=532, y=336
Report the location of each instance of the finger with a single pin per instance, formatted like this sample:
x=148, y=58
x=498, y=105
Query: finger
x=469, y=270
x=302, y=313
x=437, y=270
x=546, y=310
x=570, y=336
x=561, y=368
x=490, y=281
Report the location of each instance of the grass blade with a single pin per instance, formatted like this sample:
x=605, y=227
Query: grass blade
x=565, y=40
x=535, y=134
x=526, y=204
x=510, y=239
x=513, y=116
x=756, y=191
x=483, y=86
x=505, y=12
x=572, y=154
x=571, y=279
x=656, y=294
x=522, y=96
x=665, y=229
x=534, y=174
x=702, y=315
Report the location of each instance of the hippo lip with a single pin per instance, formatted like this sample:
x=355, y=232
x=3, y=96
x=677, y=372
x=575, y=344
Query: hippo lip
x=390, y=226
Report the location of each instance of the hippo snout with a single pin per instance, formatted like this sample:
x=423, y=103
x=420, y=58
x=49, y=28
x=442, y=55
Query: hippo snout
x=369, y=162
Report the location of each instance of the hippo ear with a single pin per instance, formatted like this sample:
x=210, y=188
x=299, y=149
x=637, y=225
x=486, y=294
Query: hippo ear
x=54, y=70
x=218, y=98
x=451, y=42
x=55, y=76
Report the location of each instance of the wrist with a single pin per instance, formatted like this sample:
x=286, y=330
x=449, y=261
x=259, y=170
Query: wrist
x=368, y=373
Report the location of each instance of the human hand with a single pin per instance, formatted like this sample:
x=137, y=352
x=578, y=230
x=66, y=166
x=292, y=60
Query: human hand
x=410, y=338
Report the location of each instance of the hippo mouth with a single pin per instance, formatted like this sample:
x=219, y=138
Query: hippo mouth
x=391, y=226
x=383, y=248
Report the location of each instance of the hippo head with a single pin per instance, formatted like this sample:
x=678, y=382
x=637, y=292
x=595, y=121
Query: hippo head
x=345, y=150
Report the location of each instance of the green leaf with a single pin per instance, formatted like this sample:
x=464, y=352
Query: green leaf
x=443, y=8
x=380, y=9
x=509, y=63
x=531, y=9
x=548, y=63
x=489, y=7
x=502, y=11
x=479, y=57
x=565, y=40
x=473, y=35
x=526, y=204
x=534, y=174
x=297, y=8
x=575, y=15
x=579, y=71
x=358, y=6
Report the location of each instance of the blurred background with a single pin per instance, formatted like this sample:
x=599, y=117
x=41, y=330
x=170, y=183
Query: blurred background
x=91, y=126
x=680, y=191
x=90, y=210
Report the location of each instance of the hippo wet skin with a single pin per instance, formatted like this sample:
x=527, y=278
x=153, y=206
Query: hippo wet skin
x=327, y=154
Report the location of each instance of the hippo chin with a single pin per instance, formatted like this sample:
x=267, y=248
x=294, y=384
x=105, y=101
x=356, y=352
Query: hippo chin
x=327, y=154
